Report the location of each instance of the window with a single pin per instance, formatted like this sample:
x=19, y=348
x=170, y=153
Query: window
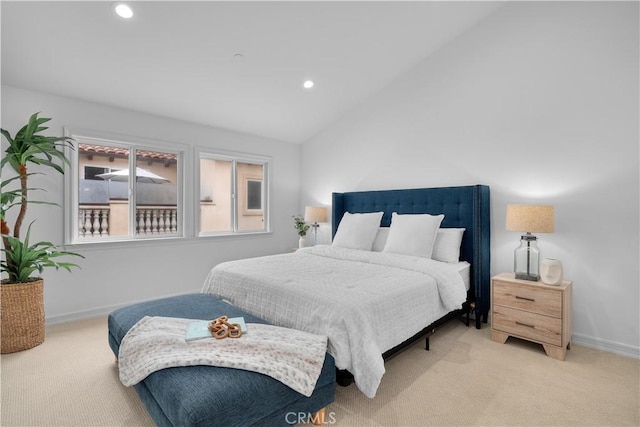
x=92, y=172
x=254, y=195
x=119, y=190
x=233, y=193
x=124, y=188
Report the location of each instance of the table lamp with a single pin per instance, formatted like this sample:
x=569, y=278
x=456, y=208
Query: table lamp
x=528, y=219
x=314, y=215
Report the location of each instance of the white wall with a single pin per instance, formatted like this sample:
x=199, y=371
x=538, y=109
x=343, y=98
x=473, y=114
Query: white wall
x=119, y=274
x=540, y=102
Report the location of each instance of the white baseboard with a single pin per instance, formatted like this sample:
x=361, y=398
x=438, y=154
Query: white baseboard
x=98, y=311
x=606, y=345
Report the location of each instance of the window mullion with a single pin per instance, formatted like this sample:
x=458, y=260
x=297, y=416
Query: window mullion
x=234, y=195
x=133, y=207
x=71, y=192
x=265, y=197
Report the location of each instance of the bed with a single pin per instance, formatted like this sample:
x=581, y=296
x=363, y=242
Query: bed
x=370, y=303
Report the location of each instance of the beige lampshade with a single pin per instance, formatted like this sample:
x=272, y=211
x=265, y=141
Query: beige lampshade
x=315, y=214
x=530, y=218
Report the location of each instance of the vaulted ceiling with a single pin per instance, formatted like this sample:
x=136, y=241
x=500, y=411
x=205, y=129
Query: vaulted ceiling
x=234, y=65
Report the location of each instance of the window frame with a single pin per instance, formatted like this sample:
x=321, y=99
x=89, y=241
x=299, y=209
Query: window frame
x=235, y=158
x=247, y=209
x=133, y=144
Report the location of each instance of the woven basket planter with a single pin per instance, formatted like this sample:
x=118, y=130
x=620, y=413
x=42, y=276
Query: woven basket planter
x=22, y=315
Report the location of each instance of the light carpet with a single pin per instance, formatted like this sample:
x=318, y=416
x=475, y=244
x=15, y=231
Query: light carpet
x=466, y=379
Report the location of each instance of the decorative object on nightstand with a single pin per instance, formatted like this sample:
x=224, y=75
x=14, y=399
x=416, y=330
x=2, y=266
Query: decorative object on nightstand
x=301, y=227
x=532, y=311
x=314, y=215
x=551, y=271
x=529, y=219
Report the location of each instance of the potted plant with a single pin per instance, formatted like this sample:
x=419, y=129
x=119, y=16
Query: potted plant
x=302, y=228
x=22, y=304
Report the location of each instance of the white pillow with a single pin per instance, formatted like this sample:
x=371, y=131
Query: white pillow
x=357, y=231
x=381, y=239
x=413, y=234
x=447, y=245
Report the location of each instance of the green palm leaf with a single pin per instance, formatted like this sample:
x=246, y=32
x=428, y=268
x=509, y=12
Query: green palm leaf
x=29, y=146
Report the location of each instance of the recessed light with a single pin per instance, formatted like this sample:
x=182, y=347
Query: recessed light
x=123, y=10
x=308, y=84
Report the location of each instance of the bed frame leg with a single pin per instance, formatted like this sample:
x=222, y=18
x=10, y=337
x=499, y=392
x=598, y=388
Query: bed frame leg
x=344, y=378
x=484, y=318
x=318, y=418
x=467, y=308
x=426, y=339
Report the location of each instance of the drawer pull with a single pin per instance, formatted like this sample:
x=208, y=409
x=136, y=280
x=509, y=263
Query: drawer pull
x=525, y=324
x=526, y=299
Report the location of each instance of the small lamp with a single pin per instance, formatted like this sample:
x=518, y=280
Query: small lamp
x=529, y=219
x=314, y=215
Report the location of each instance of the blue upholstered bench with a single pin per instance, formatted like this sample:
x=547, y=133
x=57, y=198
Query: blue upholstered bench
x=212, y=396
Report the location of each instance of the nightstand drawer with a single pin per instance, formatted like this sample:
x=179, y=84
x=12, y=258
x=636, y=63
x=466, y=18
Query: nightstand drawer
x=529, y=298
x=527, y=325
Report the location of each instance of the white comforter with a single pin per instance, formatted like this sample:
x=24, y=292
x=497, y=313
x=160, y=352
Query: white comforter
x=365, y=302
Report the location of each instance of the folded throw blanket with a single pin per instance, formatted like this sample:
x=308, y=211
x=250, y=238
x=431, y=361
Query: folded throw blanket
x=292, y=357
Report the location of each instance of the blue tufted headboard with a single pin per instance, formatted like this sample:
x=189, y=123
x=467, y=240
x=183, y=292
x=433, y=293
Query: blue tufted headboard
x=465, y=207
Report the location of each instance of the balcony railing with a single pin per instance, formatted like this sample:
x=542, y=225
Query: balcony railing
x=95, y=221
x=156, y=220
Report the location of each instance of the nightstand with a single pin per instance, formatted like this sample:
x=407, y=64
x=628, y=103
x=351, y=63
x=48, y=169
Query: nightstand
x=532, y=311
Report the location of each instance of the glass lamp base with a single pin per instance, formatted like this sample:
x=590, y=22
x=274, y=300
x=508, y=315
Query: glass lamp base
x=525, y=276
x=526, y=259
